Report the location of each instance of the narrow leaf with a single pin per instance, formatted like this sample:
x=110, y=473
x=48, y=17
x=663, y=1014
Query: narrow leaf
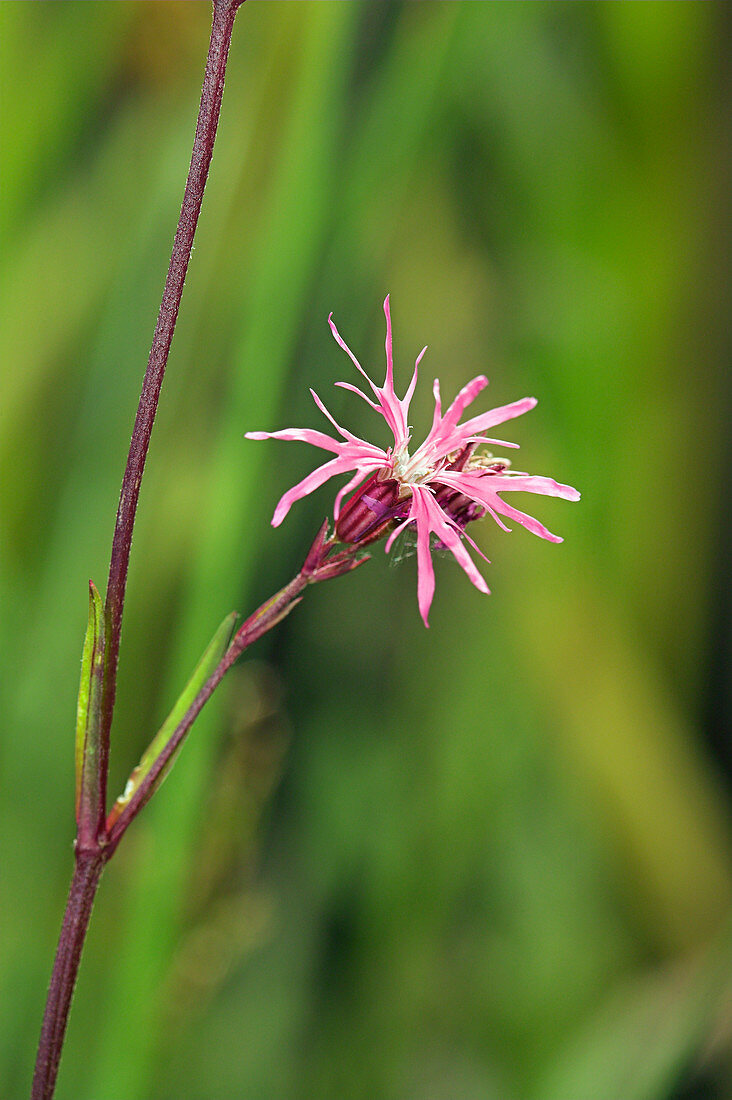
x=88, y=711
x=214, y=652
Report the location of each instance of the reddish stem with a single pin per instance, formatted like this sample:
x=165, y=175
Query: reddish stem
x=91, y=858
x=87, y=872
x=224, y=12
x=263, y=620
x=319, y=566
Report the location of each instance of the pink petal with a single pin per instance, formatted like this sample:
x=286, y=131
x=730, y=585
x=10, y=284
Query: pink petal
x=445, y=531
x=428, y=518
x=362, y=454
x=496, y=416
x=491, y=442
x=388, y=403
x=344, y=431
x=475, y=546
x=301, y=435
x=392, y=407
x=499, y=521
x=395, y=534
x=355, y=389
x=546, y=486
x=473, y=483
x=317, y=478
x=389, y=381
x=425, y=569
x=528, y=522
x=445, y=436
x=348, y=351
x=484, y=489
x=344, y=492
x=419, y=358
x=466, y=397
x=355, y=449
x=410, y=389
x=436, y=416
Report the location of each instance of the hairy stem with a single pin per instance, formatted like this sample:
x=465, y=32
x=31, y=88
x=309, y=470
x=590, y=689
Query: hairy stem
x=87, y=872
x=224, y=12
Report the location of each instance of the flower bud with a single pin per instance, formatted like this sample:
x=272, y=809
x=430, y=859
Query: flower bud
x=460, y=508
x=369, y=513
x=457, y=507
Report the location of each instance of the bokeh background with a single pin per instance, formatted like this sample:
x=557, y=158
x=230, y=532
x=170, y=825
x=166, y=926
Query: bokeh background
x=488, y=861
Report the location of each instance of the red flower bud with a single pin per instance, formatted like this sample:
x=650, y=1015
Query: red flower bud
x=370, y=512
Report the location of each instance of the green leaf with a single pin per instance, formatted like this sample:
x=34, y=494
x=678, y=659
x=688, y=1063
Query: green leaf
x=88, y=713
x=214, y=652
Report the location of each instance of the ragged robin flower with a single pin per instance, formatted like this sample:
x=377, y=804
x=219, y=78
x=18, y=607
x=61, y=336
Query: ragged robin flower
x=435, y=490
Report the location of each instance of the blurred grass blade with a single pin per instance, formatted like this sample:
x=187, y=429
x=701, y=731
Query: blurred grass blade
x=207, y=664
x=638, y=1044
x=88, y=710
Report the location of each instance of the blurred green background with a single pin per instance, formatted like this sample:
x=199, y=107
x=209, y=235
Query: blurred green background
x=488, y=861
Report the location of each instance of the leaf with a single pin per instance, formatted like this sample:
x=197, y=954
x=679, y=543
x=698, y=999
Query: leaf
x=211, y=657
x=88, y=714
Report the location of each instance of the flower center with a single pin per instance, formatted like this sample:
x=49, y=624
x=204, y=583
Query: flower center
x=411, y=469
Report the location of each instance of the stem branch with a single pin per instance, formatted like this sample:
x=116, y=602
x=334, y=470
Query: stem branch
x=267, y=616
x=90, y=858
x=320, y=564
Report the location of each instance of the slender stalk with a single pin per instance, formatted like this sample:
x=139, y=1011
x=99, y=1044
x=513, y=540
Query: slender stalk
x=90, y=862
x=91, y=858
x=318, y=566
x=87, y=872
x=268, y=615
x=224, y=12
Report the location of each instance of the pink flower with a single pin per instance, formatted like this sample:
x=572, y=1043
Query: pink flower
x=436, y=490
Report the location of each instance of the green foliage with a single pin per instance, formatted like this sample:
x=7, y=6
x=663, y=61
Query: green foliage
x=205, y=668
x=500, y=849
x=88, y=710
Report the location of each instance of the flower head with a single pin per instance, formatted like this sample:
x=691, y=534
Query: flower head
x=435, y=490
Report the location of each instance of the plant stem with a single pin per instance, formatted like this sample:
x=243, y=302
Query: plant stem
x=319, y=565
x=91, y=859
x=267, y=616
x=224, y=12
x=87, y=872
